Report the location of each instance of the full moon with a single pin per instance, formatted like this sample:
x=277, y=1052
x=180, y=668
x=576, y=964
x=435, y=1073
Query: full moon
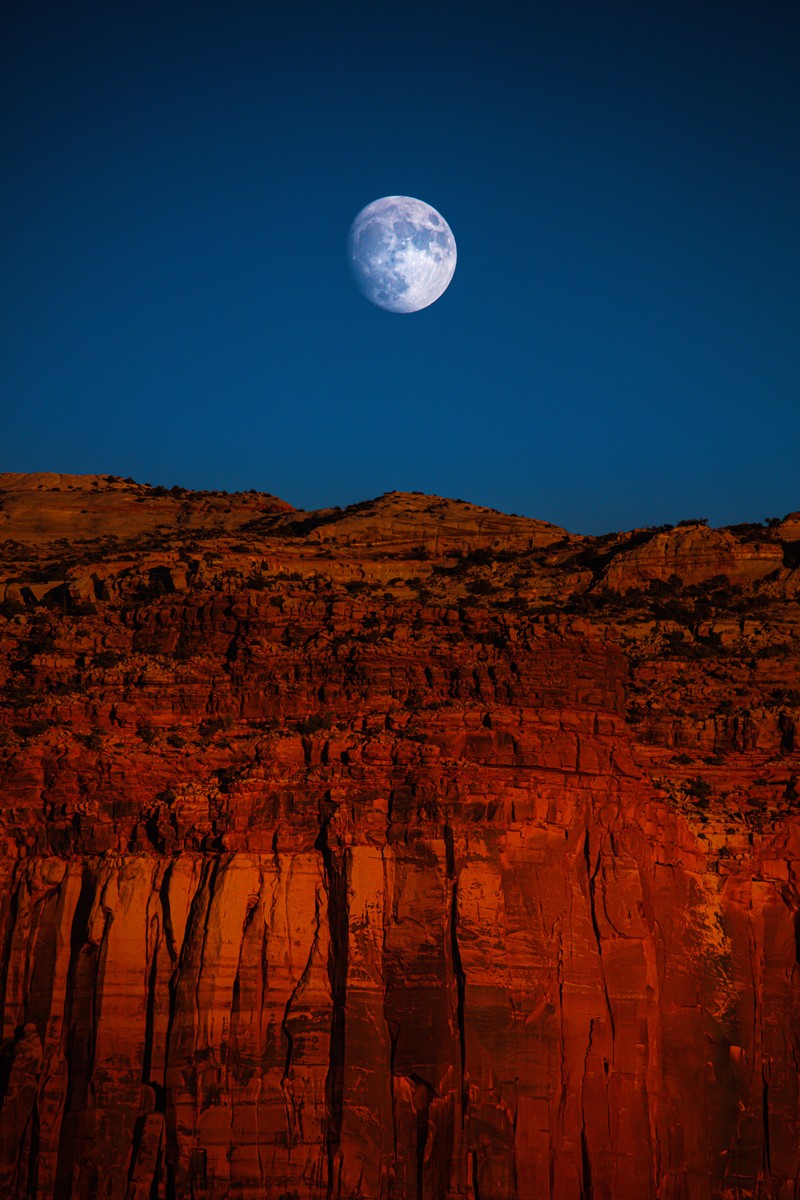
x=402, y=253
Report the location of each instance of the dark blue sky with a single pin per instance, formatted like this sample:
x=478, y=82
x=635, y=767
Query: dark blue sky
x=620, y=344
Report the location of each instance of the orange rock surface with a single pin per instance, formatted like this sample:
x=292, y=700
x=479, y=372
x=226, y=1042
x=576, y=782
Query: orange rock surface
x=403, y=852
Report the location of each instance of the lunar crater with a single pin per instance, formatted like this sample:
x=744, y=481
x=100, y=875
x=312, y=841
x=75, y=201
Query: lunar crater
x=402, y=253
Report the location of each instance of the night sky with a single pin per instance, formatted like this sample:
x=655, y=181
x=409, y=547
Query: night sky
x=620, y=344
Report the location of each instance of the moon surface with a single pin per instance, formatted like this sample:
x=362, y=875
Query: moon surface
x=402, y=253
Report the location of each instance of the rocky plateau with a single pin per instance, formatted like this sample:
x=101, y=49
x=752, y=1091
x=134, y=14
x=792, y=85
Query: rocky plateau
x=407, y=851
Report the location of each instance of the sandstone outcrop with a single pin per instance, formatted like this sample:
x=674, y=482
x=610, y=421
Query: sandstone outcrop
x=402, y=852
x=693, y=554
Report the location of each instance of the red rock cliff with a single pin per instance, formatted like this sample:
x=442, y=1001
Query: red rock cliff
x=409, y=851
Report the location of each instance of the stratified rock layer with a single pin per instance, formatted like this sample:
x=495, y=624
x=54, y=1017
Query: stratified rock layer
x=411, y=851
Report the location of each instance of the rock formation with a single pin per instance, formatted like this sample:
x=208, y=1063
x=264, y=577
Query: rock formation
x=404, y=852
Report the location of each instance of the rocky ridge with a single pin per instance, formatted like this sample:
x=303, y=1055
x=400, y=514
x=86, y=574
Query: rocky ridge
x=409, y=850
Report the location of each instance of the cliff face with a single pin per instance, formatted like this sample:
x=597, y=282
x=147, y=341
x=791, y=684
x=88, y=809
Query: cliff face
x=411, y=851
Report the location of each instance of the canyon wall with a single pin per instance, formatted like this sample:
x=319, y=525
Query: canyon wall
x=405, y=852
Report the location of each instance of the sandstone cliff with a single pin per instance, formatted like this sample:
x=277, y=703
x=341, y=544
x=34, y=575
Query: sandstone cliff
x=409, y=851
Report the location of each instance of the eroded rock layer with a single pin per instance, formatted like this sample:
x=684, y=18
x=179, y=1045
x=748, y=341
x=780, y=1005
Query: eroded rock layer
x=405, y=852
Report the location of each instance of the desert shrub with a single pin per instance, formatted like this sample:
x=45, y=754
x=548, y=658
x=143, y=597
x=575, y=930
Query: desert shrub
x=481, y=587
x=744, y=527
x=107, y=658
x=214, y=725
x=66, y=687
x=19, y=691
x=92, y=741
x=673, y=609
x=148, y=591
x=314, y=723
x=478, y=558
x=700, y=791
x=580, y=603
x=184, y=651
x=33, y=728
x=40, y=641
x=781, y=650
x=226, y=777
x=82, y=608
x=676, y=645
x=516, y=604
x=493, y=637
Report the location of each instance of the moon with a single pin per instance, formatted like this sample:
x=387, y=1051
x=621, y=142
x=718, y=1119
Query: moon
x=402, y=253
